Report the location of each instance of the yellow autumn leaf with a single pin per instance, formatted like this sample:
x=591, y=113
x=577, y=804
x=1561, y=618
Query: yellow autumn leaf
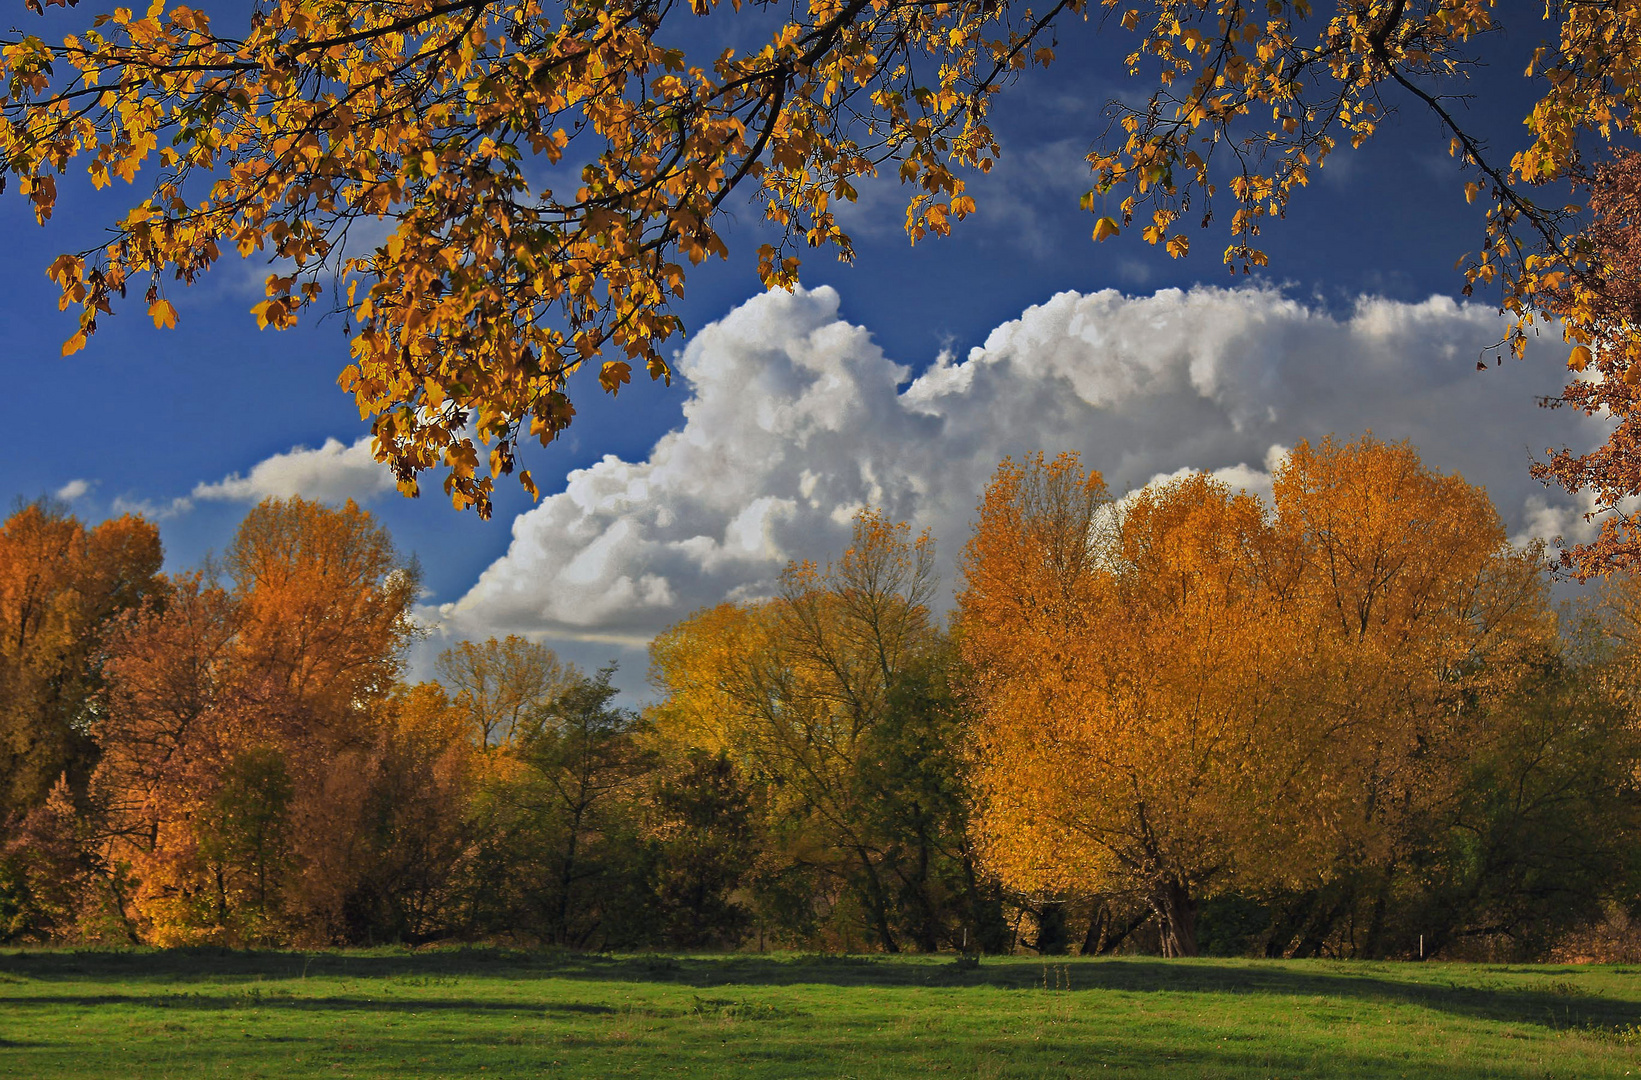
x=163, y=314
x=613, y=374
x=1105, y=227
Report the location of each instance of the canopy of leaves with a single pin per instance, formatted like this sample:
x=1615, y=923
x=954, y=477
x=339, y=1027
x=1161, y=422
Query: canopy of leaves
x=61, y=587
x=1180, y=692
x=501, y=192
x=245, y=725
x=832, y=699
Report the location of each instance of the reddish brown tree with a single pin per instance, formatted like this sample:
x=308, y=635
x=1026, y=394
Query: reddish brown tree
x=246, y=728
x=1601, y=302
x=60, y=586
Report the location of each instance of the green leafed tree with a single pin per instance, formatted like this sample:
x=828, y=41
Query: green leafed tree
x=566, y=857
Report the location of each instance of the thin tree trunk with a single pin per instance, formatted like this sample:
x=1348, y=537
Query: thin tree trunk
x=985, y=911
x=1373, y=947
x=566, y=880
x=876, y=903
x=928, y=937
x=1099, y=927
x=1104, y=934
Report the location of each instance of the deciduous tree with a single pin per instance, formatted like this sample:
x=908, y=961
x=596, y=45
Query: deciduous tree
x=417, y=830
x=705, y=830
x=1417, y=615
x=1182, y=694
x=1600, y=299
x=245, y=726
x=830, y=698
x=503, y=686
x=61, y=585
x=1121, y=660
x=566, y=859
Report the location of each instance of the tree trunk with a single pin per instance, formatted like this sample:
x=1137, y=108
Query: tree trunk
x=1177, y=912
x=1051, y=928
x=991, y=927
x=1099, y=928
x=1374, y=947
x=928, y=931
x=560, y=928
x=877, y=904
x=1106, y=933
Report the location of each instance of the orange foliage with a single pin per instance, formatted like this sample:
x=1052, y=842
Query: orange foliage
x=245, y=729
x=60, y=586
x=1120, y=658
x=1413, y=610
x=323, y=600
x=551, y=171
x=1600, y=305
x=1180, y=691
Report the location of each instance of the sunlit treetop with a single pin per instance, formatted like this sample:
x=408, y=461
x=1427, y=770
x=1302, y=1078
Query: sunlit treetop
x=498, y=194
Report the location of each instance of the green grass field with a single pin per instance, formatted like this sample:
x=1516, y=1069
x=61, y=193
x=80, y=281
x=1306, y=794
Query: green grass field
x=485, y=1013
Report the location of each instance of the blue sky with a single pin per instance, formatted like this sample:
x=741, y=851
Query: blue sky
x=144, y=417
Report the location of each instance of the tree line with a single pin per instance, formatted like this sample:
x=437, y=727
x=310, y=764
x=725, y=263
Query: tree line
x=1346, y=722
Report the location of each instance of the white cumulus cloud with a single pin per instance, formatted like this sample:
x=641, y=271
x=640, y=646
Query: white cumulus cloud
x=75, y=489
x=795, y=419
x=331, y=473
x=153, y=510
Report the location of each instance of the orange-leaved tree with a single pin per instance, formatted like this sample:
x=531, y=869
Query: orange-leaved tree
x=63, y=589
x=1417, y=618
x=61, y=585
x=534, y=179
x=1600, y=299
x=1121, y=659
x=1186, y=691
x=245, y=728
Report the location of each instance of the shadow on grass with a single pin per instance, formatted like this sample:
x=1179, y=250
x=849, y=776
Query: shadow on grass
x=1540, y=999
x=284, y=1003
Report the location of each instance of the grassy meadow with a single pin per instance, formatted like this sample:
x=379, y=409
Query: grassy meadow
x=478, y=1013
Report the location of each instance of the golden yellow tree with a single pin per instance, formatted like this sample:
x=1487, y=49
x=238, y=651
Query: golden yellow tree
x=695, y=665
x=545, y=173
x=1417, y=615
x=1121, y=659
